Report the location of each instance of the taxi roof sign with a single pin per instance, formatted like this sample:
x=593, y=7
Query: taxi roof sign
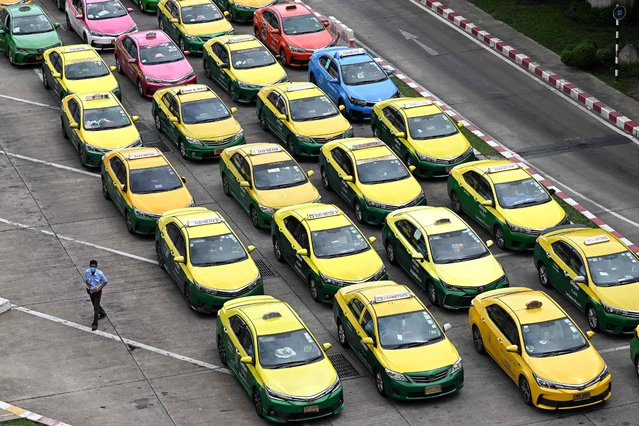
x=326, y=213
x=271, y=315
x=204, y=221
x=351, y=52
x=240, y=39
x=76, y=49
x=442, y=221
x=267, y=150
x=97, y=96
x=416, y=104
x=300, y=87
x=533, y=304
x=596, y=240
x=139, y=155
x=392, y=296
x=24, y=8
x=150, y=34
x=186, y=90
x=365, y=145
x=505, y=167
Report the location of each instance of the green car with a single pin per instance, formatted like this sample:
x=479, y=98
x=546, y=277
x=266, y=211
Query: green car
x=242, y=10
x=26, y=33
x=634, y=350
x=147, y=5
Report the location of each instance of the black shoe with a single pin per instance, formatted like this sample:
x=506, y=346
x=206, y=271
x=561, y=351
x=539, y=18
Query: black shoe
x=94, y=327
x=102, y=315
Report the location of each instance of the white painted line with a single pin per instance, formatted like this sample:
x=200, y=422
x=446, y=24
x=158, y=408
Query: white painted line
x=38, y=72
x=48, y=163
x=30, y=102
x=503, y=254
x=26, y=414
x=617, y=349
x=122, y=339
x=85, y=243
x=5, y=305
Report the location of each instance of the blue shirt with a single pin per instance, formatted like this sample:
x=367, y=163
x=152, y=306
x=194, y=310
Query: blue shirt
x=94, y=280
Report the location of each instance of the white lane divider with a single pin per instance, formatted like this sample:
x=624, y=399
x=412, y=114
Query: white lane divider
x=85, y=243
x=26, y=101
x=48, y=163
x=129, y=342
x=616, y=349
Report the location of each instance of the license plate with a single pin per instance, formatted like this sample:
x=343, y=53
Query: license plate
x=431, y=390
x=218, y=151
x=581, y=396
x=311, y=409
x=38, y=57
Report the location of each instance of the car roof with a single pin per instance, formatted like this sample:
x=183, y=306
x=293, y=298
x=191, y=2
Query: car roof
x=297, y=90
x=183, y=3
x=416, y=107
x=202, y=222
x=96, y=1
x=435, y=220
x=365, y=148
x=239, y=42
x=488, y=167
x=264, y=153
x=400, y=298
x=265, y=320
x=145, y=38
x=319, y=216
x=97, y=100
x=192, y=92
x=149, y=157
x=594, y=241
x=291, y=9
x=24, y=10
x=516, y=301
x=78, y=52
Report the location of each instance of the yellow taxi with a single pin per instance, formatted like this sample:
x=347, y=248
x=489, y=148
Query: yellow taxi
x=398, y=341
x=369, y=177
x=77, y=69
x=595, y=271
x=263, y=178
x=241, y=65
x=196, y=120
x=506, y=200
x=143, y=185
x=277, y=360
x=442, y=254
x=325, y=248
x=205, y=258
x=540, y=348
x=191, y=23
x=97, y=123
x=301, y=116
x=422, y=134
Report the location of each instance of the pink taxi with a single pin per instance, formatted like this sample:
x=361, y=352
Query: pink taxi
x=99, y=22
x=152, y=61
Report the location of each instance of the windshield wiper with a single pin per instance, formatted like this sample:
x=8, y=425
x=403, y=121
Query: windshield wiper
x=290, y=364
x=559, y=352
x=476, y=256
x=627, y=281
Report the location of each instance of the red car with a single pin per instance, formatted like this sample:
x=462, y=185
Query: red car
x=152, y=61
x=291, y=31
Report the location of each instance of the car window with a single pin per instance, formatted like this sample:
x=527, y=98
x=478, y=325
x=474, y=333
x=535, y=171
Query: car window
x=78, y=5
x=3, y=19
x=356, y=307
x=172, y=231
x=322, y=61
x=273, y=97
x=243, y=334
x=560, y=249
x=343, y=160
x=395, y=118
x=470, y=178
x=281, y=106
x=367, y=324
x=166, y=100
x=332, y=69
x=504, y=322
x=118, y=169
x=242, y=166
x=293, y=226
x=171, y=104
x=74, y=110
x=54, y=59
x=575, y=261
x=173, y=10
x=484, y=189
x=177, y=238
x=132, y=49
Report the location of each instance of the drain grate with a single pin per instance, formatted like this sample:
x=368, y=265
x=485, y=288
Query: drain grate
x=343, y=366
x=150, y=137
x=265, y=271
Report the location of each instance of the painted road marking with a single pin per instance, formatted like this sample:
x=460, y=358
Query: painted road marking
x=124, y=340
x=413, y=37
x=30, y=102
x=618, y=348
x=48, y=163
x=86, y=243
x=25, y=414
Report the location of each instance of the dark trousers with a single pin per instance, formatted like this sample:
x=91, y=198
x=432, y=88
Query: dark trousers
x=97, y=309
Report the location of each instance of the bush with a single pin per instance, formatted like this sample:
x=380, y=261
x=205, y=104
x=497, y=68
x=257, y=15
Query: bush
x=581, y=11
x=606, y=56
x=583, y=55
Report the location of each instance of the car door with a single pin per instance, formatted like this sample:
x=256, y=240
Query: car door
x=289, y=245
x=219, y=56
x=352, y=315
x=273, y=33
x=277, y=125
x=340, y=166
x=389, y=126
x=241, y=172
x=171, y=117
x=240, y=343
x=76, y=8
x=367, y=327
x=54, y=65
x=172, y=27
x=411, y=241
x=118, y=185
x=485, y=214
x=503, y=333
x=558, y=270
x=333, y=88
x=269, y=109
x=75, y=116
x=5, y=22
x=129, y=55
x=168, y=249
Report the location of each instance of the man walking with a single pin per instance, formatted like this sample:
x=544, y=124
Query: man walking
x=95, y=282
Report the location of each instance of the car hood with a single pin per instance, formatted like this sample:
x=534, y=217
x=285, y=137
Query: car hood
x=621, y=296
x=111, y=26
x=214, y=130
x=316, y=40
x=37, y=41
x=255, y=3
x=278, y=198
x=445, y=147
x=471, y=273
x=213, y=29
x=112, y=139
x=355, y=267
x=304, y=380
x=422, y=358
x=396, y=193
x=373, y=92
x=161, y=202
x=588, y=364
x=226, y=277
x=168, y=71
x=100, y=84
x=541, y=216
x=262, y=75
x=327, y=127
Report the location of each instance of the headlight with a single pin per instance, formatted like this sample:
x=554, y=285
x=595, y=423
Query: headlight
x=394, y=375
x=276, y=395
x=297, y=49
x=203, y=289
x=266, y=209
x=456, y=366
x=255, y=282
x=349, y=133
x=239, y=135
x=545, y=383
x=97, y=34
x=372, y=203
x=281, y=80
x=21, y=50
x=613, y=310
x=191, y=38
x=520, y=229
x=192, y=203
x=137, y=142
x=304, y=139
x=318, y=199
x=247, y=85
x=379, y=274
x=153, y=80
x=423, y=157
x=116, y=89
x=448, y=286
x=189, y=75
x=397, y=94
x=194, y=141
x=133, y=29
x=329, y=280
x=148, y=215
x=356, y=101
x=243, y=7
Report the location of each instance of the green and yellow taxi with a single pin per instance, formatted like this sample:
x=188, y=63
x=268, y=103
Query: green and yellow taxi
x=25, y=33
x=191, y=23
x=263, y=178
x=301, y=116
x=196, y=120
x=540, y=348
x=325, y=248
x=243, y=10
x=143, y=186
x=596, y=271
x=77, y=69
x=369, y=177
x=506, y=200
x=241, y=65
x=442, y=254
x=398, y=341
x=634, y=350
x=97, y=123
x=277, y=360
x=422, y=134
x=205, y=258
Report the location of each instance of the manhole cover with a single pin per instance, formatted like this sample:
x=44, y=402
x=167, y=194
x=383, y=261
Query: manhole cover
x=150, y=137
x=264, y=269
x=343, y=366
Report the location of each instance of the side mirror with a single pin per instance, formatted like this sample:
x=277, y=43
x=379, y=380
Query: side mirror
x=173, y=119
x=579, y=279
x=591, y=333
x=281, y=116
x=275, y=31
x=390, y=72
x=347, y=178
x=447, y=327
x=186, y=53
x=56, y=25
x=326, y=23
x=417, y=256
x=487, y=203
x=246, y=360
x=174, y=20
x=512, y=348
x=129, y=9
x=233, y=110
x=78, y=16
x=132, y=60
x=636, y=331
x=302, y=252
x=372, y=240
x=245, y=184
x=400, y=135
x=135, y=118
x=327, y=346
x=56, y=75
x=112, y=68
x=123, y=188
x=178, y=259
x=310, y=173
x=460, y=124
x=368, y=341
x=74, y=125
x=341, y=107
x=250, y=248
x=489, y=243
x=183, y=179
x=226, y=13
x=224, y=65
x=412, y=168
x=552, y=191
x=333, y=81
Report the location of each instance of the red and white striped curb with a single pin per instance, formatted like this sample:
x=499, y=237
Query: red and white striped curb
x=533, y=67
x=21, y=412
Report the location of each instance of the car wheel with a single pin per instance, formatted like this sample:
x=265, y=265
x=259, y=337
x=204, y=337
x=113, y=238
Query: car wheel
x=542, y=273
x=455, y=204
x=182, y=44
x=257, y=402
x=283, y=60
x=68, y=21
x=140, y=89
x=374, y=130
x=324, y=175
x=431, y=293
x=591, y=316
x=359, y=215
x=524, y=388
x=341, y=334
x=85, y=38
x=160, y=24
x=207, y=68
x=254, y=218
x=158, y=123
x=478, y=342
x=129, y=222
x=83, y=155
x=232, y=92
x=141, y=5
x=311, y=78
x=232, y=14
x=314, y=290
x=390, y=253
x=277, y=250
x=500, y=240
x=64, y=132
x=60, y=4
x=290, y=145
x=45, y=82
x=118, y=65
x=183, y=151
x=225, y=185
x=105, y=190
x=189, y=297
x=158, y=255
x=221, y=351
x=637, y=364
x=262, y=119
x=258, y=33
x=379, y=383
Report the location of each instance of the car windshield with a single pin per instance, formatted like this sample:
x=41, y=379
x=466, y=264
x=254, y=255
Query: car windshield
x=555, y=337
x=251, y=58
x=456, y=246
x=204, y=111
x=407, y=330
x=315, y=108
x=302, y=24
x=216, y=250
x=381, y=169
x=521, y=193
x=431, y=126
x=160, y=53
x=154, y=179
x=200, y=13
x=85, y=69
x=363, y=73
x=281, y=174
x=289, y=349
x=337, y=242
x=105, y=10
x=33, y=24
x=614, y=269
x=105, y=118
